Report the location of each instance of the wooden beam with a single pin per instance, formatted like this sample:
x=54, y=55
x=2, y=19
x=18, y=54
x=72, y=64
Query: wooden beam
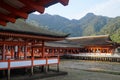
x=13, y=10
x=33, y=5
x=45, y=38
x=45, y=2
x=13, y=43
x=64, y=2
x=43, y=48
x=3, y=23
x=7, y=18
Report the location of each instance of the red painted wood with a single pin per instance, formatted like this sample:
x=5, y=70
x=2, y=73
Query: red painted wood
x=43, y=49
x=3, y=55
x=3, y=23
x=30, y=36
x=64, y=2
x=33, y=5
x=45, y=2
x=7, y=18
x=14, y=10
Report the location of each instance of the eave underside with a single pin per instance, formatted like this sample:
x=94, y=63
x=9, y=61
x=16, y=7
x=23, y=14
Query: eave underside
x=10, y=10
x=29, y=37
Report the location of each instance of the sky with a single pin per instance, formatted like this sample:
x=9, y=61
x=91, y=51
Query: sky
x=76, y=9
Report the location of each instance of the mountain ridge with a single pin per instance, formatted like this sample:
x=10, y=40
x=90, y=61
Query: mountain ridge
x=88, y=25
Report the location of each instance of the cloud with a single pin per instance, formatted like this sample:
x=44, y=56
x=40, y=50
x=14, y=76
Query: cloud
x=109, y=8
x=37, y=13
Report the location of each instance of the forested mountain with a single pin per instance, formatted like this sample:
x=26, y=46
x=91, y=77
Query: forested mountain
x=90, y=24
x=57, y=23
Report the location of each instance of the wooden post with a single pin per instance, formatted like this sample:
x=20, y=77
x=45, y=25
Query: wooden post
x=58, y=67
x=48, y=68
x=42, y=68
x=3, y=55
x=18, y=56
x=8, y=76
x=32, y=60
x=25, y=53
x=12, y=52
x=32, y=66
x=58, y=63
x=46, y=65
x=43, y=49
x=53, y=52
x=4, y=74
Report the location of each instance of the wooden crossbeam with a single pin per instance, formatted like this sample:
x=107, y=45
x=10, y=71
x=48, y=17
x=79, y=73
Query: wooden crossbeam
x=7, y=18
x=33, y=5
x=13, y=10
x=45, y=2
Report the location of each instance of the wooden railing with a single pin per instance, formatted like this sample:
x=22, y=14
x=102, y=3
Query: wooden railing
x=10, y=64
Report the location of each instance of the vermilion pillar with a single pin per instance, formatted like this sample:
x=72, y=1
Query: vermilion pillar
x=43, y=48
x=3, y=55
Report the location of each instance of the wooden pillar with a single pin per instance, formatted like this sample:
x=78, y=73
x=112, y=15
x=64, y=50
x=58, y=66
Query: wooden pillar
x=25, y=52
x=58, y=63
x=32, y=60
x=58, y=49
x=42, y=68
x=32, y=72
x=32, y=54
x=12, y=52
x=43, y=51
x=53, y=52
x=107, y=50
x=48, y=67
x=58, y=67
x=8, y=75
x=18, y=55
x=3, y=55
x=43, y=48
x=66, y=51
x=46, y=70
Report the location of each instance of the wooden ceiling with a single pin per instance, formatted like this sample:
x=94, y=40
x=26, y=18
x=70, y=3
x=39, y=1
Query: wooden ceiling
x=10, y=10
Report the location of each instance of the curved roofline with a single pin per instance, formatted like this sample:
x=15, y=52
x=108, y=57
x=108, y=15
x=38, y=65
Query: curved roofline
x=83, y=37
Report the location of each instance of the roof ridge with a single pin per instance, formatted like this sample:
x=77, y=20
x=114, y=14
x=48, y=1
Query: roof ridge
x=97, y=36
